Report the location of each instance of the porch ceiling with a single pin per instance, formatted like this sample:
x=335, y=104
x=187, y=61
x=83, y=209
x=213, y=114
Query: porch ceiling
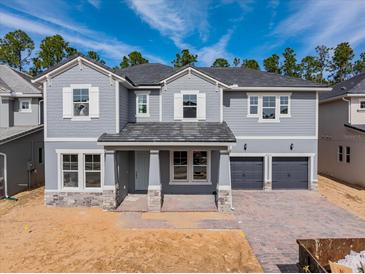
x=168, y=132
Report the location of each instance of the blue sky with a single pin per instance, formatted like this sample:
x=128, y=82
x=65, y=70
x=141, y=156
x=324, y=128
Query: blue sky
x=160, y=28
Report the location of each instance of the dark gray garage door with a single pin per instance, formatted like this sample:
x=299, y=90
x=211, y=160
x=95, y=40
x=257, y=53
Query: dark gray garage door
x=247, y=172
x=289, y=172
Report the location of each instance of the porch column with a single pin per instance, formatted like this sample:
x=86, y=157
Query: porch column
x=109, y=188
x=224, y=192
x=154, y=182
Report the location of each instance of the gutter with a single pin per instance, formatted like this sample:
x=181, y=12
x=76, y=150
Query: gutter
x=279, y=88
x=20, y=135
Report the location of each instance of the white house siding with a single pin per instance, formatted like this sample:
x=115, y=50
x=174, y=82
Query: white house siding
x=332, y=134
x=357, y=114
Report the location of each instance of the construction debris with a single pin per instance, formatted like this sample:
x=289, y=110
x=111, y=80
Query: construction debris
x=355, y=260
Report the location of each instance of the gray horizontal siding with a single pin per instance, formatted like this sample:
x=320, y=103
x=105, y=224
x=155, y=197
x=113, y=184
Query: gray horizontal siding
x=191, y=82
x=301, y=123
x=154, y=105
x=123, y=106
x=26, y=118
x=59, y=127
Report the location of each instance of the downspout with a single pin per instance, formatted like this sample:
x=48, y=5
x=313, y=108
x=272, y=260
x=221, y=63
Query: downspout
x=6, y=180
x=349, y=108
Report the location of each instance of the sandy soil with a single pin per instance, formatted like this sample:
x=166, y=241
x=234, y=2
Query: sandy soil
x=34, y=238
x=349, y=197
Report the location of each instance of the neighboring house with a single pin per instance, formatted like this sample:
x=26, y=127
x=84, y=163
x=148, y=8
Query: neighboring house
x=158, y=130
x=342, y=131
x=21, y=132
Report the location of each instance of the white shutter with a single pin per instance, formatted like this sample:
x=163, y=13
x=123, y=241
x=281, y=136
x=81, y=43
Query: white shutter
x=201, y=106
x=67, y=102
x=94, y=102
x=178, y=106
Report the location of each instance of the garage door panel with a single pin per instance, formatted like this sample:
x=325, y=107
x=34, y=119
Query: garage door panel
x=290, y=173
x=247, y=172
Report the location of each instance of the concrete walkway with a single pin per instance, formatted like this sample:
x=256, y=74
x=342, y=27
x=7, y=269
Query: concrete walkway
x=272, y=221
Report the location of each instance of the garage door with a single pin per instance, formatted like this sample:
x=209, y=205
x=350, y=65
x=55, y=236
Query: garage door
x=247, y=172
x=289, y=172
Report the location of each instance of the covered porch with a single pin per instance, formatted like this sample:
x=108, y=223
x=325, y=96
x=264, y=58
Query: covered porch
x=156, y=169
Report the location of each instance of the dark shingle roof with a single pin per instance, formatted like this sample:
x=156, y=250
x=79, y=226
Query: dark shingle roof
x=172, y=132
x=244, y=77
x=353, y=85
x=360, y=128
x=145, y=74
x=15, y=81
x=153, y=73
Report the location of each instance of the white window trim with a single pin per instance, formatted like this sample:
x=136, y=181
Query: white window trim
x=25, y=100
x=190, y=92
x=277, y=106
x=288, y=115
x=249, y=106
x=360, y=108
x=147, y=93
x=80, y=86
x=81, y=169
x=190, y=181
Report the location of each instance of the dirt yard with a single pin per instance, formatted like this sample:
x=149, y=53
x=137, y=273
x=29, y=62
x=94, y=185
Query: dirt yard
x=351, y=198
x=34, y=238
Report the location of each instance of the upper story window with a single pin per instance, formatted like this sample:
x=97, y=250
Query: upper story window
x=284, y=105
x=25, y=105
x=142, y=103
x=362, y=105
x=189, y=106
x=81, y=102
x=254, y=105
x=268, y=107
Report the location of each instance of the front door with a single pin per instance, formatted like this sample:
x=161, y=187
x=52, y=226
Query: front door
x=2, y=176
x=142, y=162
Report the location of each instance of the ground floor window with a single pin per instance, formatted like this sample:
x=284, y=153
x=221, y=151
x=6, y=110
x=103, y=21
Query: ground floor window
x=70, y=170
x=92, y=170
x=190, y=166
x=200, y=165
x=348, y=154
x=81, y=170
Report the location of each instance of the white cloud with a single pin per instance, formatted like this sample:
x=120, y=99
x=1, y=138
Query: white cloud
x=83, y=38
x=324, y=22
x=95, y=3
x=174, y=19
x=207, y=55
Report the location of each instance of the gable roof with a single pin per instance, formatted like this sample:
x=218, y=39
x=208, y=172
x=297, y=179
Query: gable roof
x=145, y=74
x=76, y=57
x=14, y=81
x=153, y=74
x=354, y=85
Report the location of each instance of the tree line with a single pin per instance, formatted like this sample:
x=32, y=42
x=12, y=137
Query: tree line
x=327, y=65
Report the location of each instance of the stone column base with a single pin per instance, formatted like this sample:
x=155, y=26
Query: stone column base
x=224, y=199
x=105, y=199
x=267, y=186
x=154, y=198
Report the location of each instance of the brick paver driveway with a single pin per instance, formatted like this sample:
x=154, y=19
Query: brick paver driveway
x=274, y=220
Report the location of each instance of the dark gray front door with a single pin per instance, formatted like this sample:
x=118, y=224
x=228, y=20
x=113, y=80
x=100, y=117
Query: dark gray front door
x=2, y=176
x=247, y=172
x=289, y=172
x=142, y=161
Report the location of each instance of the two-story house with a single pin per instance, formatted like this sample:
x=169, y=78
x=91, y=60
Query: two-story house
x=342, y=131
x=21, y=132
x=159, y=130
